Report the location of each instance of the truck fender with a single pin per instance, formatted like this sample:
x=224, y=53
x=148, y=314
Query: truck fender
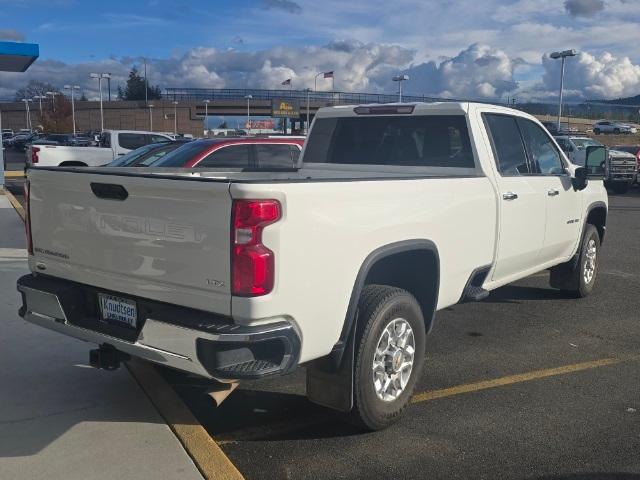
x=330, y=379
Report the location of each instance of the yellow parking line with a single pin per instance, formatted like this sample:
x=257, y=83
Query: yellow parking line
x=16, y=204
x=13, y=174
x=511, y=379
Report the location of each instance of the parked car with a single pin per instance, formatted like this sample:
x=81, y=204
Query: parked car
x=67, y=139
x=393, y=213
x=622, y=167
x=245, y=152
x=22, y=140
x=113, y=143
x=145, y=156
x=608, y=126
x=8, y=132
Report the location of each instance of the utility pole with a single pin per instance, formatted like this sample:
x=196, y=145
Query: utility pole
x=150, y=117
x=109, y=85
x=308, y=90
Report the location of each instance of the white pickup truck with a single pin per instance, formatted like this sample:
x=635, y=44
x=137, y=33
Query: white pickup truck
x=395, y=212
x=112, y=144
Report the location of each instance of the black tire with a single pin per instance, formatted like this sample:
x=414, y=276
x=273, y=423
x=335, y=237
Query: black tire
x=570, y=276
x=379, y=306
x=616, y=131
x=620, y=187
x=596, y=131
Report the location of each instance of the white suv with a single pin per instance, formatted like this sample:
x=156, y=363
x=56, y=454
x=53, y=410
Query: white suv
x=606, y=126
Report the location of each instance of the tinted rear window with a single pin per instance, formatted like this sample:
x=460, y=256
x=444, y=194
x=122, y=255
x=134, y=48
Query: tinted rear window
x=411, y=141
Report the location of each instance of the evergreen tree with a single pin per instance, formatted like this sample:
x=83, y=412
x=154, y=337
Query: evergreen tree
x=134, y=89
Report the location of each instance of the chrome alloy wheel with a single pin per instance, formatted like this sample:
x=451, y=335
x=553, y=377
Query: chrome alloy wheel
x=589, y=269
x=393, y=360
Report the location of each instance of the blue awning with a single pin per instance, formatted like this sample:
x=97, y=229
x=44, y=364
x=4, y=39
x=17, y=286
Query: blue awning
x=17, y=57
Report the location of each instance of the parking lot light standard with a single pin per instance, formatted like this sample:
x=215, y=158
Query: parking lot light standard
x=100, y=76
x=206, y=114
x=308, y=90
x=73, y=105
x=39, y=98
x=562, y=55
x=27, y=113
x=248, y=97
x=151, y=105
x=400, y=79
x=175, y=118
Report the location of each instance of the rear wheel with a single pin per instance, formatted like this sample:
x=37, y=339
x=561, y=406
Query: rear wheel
x=616, y=131
x=579, y=278
x=389, y=352
x=596, y=131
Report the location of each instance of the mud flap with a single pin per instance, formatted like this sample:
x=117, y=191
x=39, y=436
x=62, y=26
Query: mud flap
x=330, y=385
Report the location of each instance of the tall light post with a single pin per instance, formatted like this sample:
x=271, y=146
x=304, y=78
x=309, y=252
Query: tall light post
x=73, y=88
x=100, y=76
x=308, y=90
x=248, y=97
x=175, y=117
x=562, y=55
x=27, y=113
x=39, y=98
x=206, y=115
x=151, y=105
x=400, y=79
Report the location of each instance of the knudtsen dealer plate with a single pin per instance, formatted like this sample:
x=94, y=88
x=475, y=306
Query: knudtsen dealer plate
x=118, y=309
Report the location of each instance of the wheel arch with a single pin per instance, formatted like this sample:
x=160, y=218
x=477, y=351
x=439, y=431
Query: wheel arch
x=413, y=265
x=597, y=216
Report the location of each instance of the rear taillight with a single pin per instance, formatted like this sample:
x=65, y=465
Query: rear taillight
x=34, y=154
x=27, y=217
x=252, y=264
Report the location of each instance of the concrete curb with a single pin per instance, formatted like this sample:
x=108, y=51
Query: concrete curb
x=204, y=451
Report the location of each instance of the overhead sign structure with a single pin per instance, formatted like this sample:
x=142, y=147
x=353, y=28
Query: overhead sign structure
x=17, y=57
x=14, y=57
x=281, y=108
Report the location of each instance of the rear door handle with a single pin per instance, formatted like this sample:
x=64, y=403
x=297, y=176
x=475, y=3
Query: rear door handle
x=509, y=196
x=553, y=192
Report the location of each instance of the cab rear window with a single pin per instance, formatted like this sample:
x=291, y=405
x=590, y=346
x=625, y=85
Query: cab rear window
x=409, y=141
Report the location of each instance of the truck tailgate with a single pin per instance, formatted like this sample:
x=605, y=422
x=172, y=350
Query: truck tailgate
x=168, y=240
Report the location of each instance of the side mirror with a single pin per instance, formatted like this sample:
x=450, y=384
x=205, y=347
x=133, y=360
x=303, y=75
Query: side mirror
x=595, y=161
x=580, y=178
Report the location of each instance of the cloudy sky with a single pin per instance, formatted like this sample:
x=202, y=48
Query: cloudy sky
x=451, y=48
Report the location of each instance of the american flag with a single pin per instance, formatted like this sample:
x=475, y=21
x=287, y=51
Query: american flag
x=328, y=74
x=287, y=82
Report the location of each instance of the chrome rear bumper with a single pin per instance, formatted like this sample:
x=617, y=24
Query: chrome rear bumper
x=214, y=348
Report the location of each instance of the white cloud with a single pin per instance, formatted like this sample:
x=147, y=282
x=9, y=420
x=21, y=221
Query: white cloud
x=594, y=77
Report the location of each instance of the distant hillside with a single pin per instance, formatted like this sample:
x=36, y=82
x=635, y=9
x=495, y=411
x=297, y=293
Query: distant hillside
x=624, y=101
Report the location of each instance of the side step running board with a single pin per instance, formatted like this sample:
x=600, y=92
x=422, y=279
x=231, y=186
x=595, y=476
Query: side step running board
x=473, y=291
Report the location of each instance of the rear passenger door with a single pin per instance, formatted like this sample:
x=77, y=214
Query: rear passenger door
x=521, y=205
x=552, y=179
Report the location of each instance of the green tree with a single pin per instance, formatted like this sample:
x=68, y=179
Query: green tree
x=134, y=89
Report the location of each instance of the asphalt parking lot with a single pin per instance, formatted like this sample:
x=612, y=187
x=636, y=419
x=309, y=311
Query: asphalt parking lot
x=528, y=384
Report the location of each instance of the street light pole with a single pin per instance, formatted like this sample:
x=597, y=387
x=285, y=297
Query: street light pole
x=206, y=115
x=248, y=97
x=100, y=76
x=175, y=118
x=562, y=55
x=308, y=90
x=73, y=105
x=26, y=112
x=400, y=79
x=150, y=117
